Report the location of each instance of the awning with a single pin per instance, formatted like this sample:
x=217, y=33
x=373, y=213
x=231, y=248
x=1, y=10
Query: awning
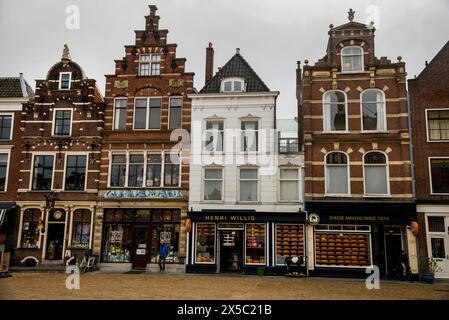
x=2, y=216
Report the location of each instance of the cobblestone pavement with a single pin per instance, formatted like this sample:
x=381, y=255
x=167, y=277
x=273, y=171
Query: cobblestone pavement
x=205, y=287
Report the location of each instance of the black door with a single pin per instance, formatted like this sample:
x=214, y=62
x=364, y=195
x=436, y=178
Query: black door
x=393, y=252
x=140, y=251
x=231, y=251
x=55, y=241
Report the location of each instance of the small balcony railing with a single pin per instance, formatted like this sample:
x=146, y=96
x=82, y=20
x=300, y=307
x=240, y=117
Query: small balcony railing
x=288, y=145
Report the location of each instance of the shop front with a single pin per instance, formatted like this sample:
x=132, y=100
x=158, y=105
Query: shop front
x=346, y=238
x=8, y=212
x=243, y=241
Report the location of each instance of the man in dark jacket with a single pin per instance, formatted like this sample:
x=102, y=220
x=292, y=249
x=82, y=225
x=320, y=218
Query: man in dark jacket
x=163, y=253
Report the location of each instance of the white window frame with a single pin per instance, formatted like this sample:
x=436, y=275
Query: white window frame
x=6, y=151
x=346, y=113
x=205, y=130
x=326, y=194
x=203, y=189
x=196, y=240
x=86, y=154
x=150, y=64
x=11, y=114
x=240, y=146
x=169, y=111
x=429, y=159
x=147, y=120
x=114, y=127
x=387, y=168
x=427, y=125
x=72, y=231
x=297, y=180
x=233, y=80
x=362, y=62
x=144, y=173
x=60, y=80
x=385, y=111
x=30, y=186
x=53, y=127
x=111, y=154
x=239, y=180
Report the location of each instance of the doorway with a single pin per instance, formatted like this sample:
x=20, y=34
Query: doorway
x=140, y=254
x=394, y=252
x=438, y=243
x=231, y=250
x=55, y=241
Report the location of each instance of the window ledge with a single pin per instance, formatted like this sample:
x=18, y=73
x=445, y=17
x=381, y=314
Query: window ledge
x=248, y=202
x=438, y=141
x=377, y=196
x=439, y=194
x=335, y=132
x=328, y=195
x=212, y=201
x=374, y=131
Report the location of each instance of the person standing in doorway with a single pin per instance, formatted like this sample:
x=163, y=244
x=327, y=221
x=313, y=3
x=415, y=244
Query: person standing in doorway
x=163, y=253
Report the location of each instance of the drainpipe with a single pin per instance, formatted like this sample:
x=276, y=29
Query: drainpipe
x=410, y=129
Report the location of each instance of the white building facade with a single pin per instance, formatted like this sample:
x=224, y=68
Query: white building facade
x=245, y=197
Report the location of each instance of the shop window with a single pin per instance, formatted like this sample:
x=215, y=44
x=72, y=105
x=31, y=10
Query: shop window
x=150, y=64
x=248, y=185
x=30, y=230
x=166, y=226
x=3, y=171
x=171, y=170
x=147, y=113
x=337, y=173
x=289, y=242
x=118, y=170
x=255, y=244
x=154, y=167
x=117, y=243
x=335, y=111
x=75, y=173
x=213, y=184
x=81, y=229
x=437, y=125
x=42, y=172
x=5, y=127
x=344, y=249
x=376, y=173
x=62, y=121
x=249, y=135
x=373, y=110
x=436, y=224
x=438, y=250
x=352, y=59
x=120, y=114
x=175, y=115
x=289, y=185
x=64, y=80
x=135, y=171
x=214, y=136
x=439, y=173
x=205, y=243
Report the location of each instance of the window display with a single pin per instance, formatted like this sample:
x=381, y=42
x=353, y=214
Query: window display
x=30, y=230
x=289, y=242
x=255, y=243
x=81, y=229
x=117, y=245
x=205, y=243
x=342, y=249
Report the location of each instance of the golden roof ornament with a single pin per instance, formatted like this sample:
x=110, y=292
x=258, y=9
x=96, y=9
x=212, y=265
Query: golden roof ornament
x=66, y=54
x=351, y=14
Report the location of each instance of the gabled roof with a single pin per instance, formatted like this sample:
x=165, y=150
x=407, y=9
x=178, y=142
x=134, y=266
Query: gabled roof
x=440, y=55
x=240, y=68
x=15, y=87
x=352, y=25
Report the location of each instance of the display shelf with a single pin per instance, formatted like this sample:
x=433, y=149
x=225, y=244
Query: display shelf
x=289, y=241
x=255, y=244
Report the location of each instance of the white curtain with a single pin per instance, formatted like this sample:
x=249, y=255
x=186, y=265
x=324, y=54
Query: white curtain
x=248, y=190
x=380, y=112
x=376, y=179
x=327, y=113
x=337, y=179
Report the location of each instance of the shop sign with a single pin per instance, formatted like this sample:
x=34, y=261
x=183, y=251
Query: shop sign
x=144, y=194
x=140, y=252
x=116, y=236
x=165, y=235
x=313, y=219
x=229, y=218
x=359, y=219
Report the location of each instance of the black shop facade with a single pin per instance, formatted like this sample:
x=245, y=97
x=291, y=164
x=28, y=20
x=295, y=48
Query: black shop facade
x=221, y=241
x=348, y=237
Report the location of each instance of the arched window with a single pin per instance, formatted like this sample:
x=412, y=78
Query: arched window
x=233, y=85
x=373, y=110
x=375, y=173
x=352, y=59
x=337, y=173
x=335, y=111
x=81, y=228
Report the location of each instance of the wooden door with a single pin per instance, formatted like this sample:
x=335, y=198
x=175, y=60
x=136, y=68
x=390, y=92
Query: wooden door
x=141, y=247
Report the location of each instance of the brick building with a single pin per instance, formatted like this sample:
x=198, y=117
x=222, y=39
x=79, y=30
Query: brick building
x=429, y=105
x=358, y=179
x=144, y=170
x=59, y=165
x=13, y=92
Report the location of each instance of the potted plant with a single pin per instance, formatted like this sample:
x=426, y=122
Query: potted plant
x=428, y=267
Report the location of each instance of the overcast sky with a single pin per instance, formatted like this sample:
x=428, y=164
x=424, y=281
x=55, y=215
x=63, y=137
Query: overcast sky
x=272, y=35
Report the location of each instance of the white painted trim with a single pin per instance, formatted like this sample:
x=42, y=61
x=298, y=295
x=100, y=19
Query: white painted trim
x=387, y=168
x=232, y=80
x=148, y=108
x=53, y=126
x=429, y=161
x=43, y=153
x=203, y=172
x=64, y=178
x=426, y=111
x=245, y=167
x=343, y=55
x=8, y=167
x=169, y=111
x=297, y=168
x=11, y=114
x=324, y=112
x=384, y=103
x=114, y=113
x=349, y=175
x=70, y=81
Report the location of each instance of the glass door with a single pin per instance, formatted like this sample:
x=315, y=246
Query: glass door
x=438, y=243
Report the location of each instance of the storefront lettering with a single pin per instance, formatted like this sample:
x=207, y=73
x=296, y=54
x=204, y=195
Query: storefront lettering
x=358, y=218
x=229, y=218
x=144, y=194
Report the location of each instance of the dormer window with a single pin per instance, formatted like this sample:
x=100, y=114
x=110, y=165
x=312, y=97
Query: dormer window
x=64, y=80
x=352, y=59
x=233, y=85
x=150, y=64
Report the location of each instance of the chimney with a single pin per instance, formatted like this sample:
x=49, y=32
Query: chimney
x=209, y=62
